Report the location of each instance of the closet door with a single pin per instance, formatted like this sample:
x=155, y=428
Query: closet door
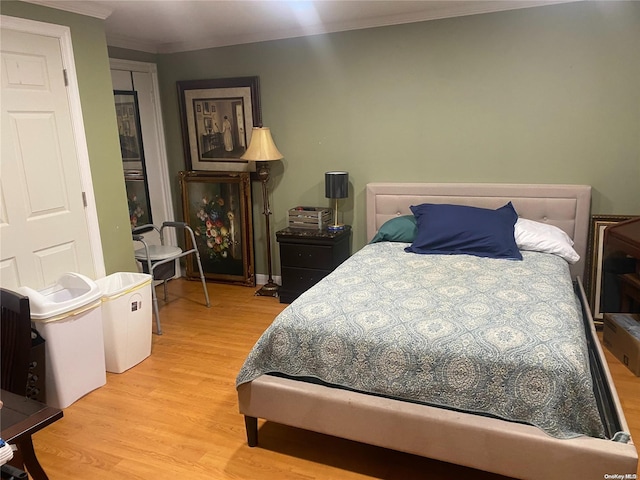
x=141, y=78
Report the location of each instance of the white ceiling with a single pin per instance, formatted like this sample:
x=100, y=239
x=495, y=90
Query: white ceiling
x=168, y=26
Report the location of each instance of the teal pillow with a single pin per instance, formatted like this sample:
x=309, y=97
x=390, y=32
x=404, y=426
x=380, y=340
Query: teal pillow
x=398, y=229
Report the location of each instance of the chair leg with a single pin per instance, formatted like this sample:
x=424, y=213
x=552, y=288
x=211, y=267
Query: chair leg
x=204, y=283
x=164, y=286
x=156, y=311
x=30, y=460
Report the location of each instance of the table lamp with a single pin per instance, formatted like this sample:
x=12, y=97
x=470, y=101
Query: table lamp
x=336, y=186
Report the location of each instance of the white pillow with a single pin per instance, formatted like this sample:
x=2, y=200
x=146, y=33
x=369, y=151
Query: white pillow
x=541, y=237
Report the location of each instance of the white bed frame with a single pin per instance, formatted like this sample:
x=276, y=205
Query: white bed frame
x=489, y=444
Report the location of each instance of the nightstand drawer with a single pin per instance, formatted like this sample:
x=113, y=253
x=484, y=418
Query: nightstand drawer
x=301, y=279
x=308, y=256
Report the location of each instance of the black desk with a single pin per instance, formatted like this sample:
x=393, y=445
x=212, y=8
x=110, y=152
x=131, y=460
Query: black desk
x=21, y=417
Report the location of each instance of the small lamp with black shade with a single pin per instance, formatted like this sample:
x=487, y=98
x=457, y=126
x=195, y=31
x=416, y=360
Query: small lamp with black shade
x=336, y=186
x=263, y=150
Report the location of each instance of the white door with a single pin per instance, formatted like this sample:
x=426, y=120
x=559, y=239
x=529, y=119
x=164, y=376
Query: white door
x=43, y=224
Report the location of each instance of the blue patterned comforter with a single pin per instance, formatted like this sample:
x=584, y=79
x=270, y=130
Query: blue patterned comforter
x=497, y=337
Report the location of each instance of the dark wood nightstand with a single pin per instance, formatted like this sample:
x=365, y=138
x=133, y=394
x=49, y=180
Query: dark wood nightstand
x=625, y=237
x=307, y=256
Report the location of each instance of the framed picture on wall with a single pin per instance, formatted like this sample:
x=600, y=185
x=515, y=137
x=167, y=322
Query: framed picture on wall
x=128, y=125
x=217, y=206
x=217, y=118
x=595, y=259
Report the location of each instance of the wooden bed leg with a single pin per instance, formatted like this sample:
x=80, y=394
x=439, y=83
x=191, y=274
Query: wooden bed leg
x=251, y=424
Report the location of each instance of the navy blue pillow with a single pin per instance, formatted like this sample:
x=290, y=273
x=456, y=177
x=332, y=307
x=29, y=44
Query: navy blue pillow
x=458, y=229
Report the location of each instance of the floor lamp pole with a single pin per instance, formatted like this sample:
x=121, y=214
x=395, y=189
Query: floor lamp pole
x=271, y=288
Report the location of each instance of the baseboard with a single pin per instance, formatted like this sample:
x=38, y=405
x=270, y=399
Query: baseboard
x=261, y=279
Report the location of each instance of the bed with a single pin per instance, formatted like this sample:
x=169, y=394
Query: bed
x=422, y=425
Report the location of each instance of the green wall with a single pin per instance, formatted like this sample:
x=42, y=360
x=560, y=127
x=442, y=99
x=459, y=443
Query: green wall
x=547, y=95
x=539, y=95
x=98, y=111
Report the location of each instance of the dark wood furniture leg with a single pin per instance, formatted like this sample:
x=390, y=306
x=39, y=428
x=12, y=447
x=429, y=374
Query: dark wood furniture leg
x=24, y=458
x=31, y=463
x=17, y=461
x=251, y=424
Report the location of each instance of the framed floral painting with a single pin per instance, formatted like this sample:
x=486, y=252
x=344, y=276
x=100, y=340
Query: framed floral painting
x=217, y=206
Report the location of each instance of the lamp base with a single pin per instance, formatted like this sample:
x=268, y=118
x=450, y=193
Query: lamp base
x=269, y=289
x=336, y=228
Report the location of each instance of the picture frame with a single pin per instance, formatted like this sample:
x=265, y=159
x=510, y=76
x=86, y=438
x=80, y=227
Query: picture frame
x=137, y=198
x=133, y=161
x=128, y=118
x=595, y=258
x=217, y=206
x=217, y=117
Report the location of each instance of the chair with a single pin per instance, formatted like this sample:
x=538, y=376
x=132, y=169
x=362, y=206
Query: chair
x=15, y=351
x=159, y=260
x=15, y=340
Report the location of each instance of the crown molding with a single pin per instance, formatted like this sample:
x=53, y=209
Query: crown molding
x=131, y=43
x=448, y=10
x=90, y=9
x=441, y=10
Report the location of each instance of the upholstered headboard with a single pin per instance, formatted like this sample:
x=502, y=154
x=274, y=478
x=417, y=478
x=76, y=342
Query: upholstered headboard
x=565, y=206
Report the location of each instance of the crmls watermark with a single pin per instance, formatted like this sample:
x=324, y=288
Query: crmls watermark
x=620, y=476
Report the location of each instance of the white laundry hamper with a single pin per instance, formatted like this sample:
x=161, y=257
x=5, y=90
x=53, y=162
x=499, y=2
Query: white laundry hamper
x=126, y=319
x=68, y=315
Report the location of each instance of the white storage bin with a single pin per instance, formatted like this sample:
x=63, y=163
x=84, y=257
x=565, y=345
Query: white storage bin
x=68, y=315
x=126, y=319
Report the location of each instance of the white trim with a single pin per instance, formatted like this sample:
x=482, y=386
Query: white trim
x=63, y=34
x=165, y=183
x=262, y=278
x=91, y=9
x=121, y=41
x=283, y=28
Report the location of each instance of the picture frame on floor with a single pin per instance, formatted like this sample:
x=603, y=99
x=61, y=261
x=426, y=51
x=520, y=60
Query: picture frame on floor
x=595, y=259
x=217, y=206
x=217, y=118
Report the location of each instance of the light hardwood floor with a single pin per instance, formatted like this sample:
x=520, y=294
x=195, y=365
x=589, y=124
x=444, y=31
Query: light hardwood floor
x=175, y=416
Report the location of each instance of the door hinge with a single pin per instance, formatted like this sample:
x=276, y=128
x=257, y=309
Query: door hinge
x=66, y=79
x=84, y=199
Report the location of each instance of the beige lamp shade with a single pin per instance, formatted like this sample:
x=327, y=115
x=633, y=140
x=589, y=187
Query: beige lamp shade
x=261, y=147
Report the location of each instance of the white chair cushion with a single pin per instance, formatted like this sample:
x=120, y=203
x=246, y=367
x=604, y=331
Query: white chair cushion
x=157, y=252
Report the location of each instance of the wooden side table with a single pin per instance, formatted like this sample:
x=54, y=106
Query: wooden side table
x=625, y=237
x=22, y=417
x=307, y=256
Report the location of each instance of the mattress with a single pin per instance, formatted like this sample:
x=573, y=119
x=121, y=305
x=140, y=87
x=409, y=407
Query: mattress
x=500, y=338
